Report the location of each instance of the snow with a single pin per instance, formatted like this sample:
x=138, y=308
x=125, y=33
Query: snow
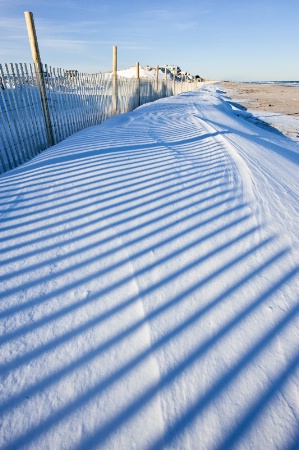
x=144, y=72
x=275, y=122
x=149, y=285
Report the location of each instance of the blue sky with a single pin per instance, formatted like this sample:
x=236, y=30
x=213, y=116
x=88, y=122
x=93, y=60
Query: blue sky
x=219, y=39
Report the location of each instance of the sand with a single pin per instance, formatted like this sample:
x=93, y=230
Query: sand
x=268, y=97
x=283, y=101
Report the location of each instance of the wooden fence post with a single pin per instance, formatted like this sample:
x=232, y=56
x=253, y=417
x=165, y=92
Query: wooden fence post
x=40, y=76
x=174, y=75
x=138, y=83
x=114, y=93
x=157, y=79
x=165, y=82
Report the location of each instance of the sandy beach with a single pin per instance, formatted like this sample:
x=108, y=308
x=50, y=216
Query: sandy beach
x=276, y=101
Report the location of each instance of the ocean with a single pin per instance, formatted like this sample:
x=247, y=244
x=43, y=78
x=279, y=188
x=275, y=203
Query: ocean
x=280, y=83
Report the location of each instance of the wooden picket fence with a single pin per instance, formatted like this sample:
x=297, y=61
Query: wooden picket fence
x=74, y=100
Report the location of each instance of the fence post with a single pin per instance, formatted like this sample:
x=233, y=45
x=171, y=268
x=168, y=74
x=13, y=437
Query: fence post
x=157, y=80
x=174, y=75
x=114, y=93
x=40, y=76
x=138, y=83
x=165, y=82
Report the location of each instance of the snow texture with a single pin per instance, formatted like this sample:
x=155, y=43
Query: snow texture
x=149, y=285
x=144, y=72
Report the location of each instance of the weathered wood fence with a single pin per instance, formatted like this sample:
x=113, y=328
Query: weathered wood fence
x=75, y=101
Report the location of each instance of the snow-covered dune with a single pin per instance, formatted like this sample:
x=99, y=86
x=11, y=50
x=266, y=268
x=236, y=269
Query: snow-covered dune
x=149, y=285
x=144, y=72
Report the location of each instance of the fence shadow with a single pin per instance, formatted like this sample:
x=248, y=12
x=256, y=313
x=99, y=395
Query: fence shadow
x=141, y=299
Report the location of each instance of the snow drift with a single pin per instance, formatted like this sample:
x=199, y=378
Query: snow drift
x=149, y=285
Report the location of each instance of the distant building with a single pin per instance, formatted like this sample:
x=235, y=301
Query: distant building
x=71, y=73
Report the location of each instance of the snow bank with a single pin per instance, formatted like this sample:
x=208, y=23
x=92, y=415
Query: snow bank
x=149, y=280
x=146, y=72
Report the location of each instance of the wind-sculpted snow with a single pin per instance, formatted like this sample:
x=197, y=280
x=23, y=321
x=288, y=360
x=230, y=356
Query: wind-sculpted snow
x=149, y=285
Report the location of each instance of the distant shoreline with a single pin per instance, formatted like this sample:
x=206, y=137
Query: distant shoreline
x=290, y=83
x=276, y=83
